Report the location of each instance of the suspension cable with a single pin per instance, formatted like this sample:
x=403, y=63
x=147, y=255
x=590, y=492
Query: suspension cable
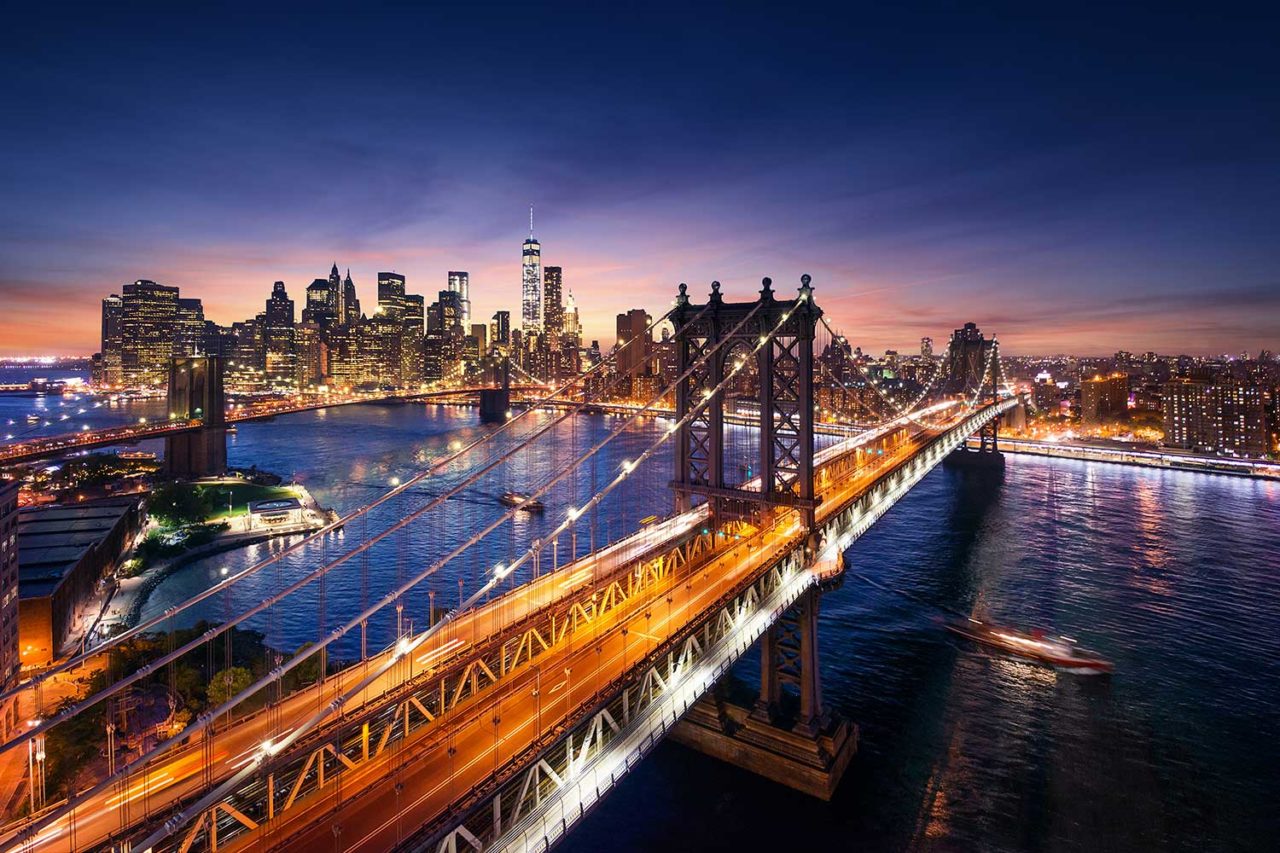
x=279, y=671
x=903, y=411
x=217, y=630
x=407, y=646
x=199, y=597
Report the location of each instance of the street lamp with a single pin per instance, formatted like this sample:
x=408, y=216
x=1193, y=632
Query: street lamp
x=35, y=770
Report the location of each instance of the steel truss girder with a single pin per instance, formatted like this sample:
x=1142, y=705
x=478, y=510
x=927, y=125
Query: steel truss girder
x=514, y=804
x=306, y=773
x=786, y=396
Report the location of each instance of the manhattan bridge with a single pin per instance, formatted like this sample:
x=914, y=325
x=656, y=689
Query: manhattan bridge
x=448, y=705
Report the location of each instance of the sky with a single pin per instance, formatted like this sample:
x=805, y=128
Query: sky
x=1073, y=178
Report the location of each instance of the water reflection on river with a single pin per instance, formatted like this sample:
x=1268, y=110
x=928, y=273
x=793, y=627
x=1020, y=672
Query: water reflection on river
x=1173, y=575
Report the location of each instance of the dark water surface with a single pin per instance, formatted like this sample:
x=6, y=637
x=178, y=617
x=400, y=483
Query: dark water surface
x=64, y=414
x=1175, y=576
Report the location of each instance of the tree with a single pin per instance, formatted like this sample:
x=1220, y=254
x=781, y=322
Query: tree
x=178, y=504
x=228, y=683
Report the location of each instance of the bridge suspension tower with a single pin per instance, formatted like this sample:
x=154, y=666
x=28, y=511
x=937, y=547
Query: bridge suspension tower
x=806, y=747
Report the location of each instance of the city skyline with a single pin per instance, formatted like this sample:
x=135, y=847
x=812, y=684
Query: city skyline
x=1057, y=183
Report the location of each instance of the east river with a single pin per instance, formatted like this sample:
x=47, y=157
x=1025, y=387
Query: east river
x=1174, y=576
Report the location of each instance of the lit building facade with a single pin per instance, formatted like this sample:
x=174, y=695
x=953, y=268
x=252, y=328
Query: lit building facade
x=280, y=344
x=148, y=323
x=188, y=333
x=1227, y=418
x=312, y=355
x=500, y=329
x=1104, y=398
x=391, y=295
x=350, y=303
x=460, y=283
x=322, y=304
x=552, y=323
x=531, y=283
x=10, y=655
x=112, y=341
x=631, y=326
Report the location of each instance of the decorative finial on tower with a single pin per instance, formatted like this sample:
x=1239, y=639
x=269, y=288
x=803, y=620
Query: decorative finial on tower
x=682, y=298
x=766, y=289
x=806, y=287
x=715, y=291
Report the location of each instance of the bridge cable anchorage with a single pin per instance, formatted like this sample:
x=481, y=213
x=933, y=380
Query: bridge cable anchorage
x=318, y=574
x=407, y=646
x=221, y=586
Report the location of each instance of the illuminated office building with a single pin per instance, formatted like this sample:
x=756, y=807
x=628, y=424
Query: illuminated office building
x=112, y=341
x=279, y=341
x=391, y=295
x=460, y=283
x=149, y=314
x=531, y=282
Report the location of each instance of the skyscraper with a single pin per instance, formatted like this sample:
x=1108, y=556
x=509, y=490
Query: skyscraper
x=339, y=300
x=244, y=372
x=414, y=313
x=189, y=327
x=279, y=340
x=631, y=326
x=391, y=295
x=571, y=338
x=350, y=304
x=552, y=304
x=322, y=304
x=531, y=282
x=148, y=324
x=460, y=283
x=500, y=329
x=926, y=347
x=112, y=340
x=312, y=354
x=552, y=359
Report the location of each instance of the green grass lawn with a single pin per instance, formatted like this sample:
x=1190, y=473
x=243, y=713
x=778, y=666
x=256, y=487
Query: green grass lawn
x=242, y=494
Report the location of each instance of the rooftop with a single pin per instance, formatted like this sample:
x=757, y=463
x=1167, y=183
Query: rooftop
x=52, y=540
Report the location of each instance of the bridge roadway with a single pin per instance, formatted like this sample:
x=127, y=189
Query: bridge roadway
x=26, y=451
x=436, y=778
x=385, y=802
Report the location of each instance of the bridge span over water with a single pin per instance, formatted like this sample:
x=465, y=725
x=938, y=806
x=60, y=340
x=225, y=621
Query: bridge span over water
x=500, y=725
x=55, y=445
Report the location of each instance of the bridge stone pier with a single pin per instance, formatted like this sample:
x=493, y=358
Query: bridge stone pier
x=496, y=402
x=789, y=736
x=195, y=392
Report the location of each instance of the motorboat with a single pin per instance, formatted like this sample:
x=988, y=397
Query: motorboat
x=518, y=499
x=1056, y=651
